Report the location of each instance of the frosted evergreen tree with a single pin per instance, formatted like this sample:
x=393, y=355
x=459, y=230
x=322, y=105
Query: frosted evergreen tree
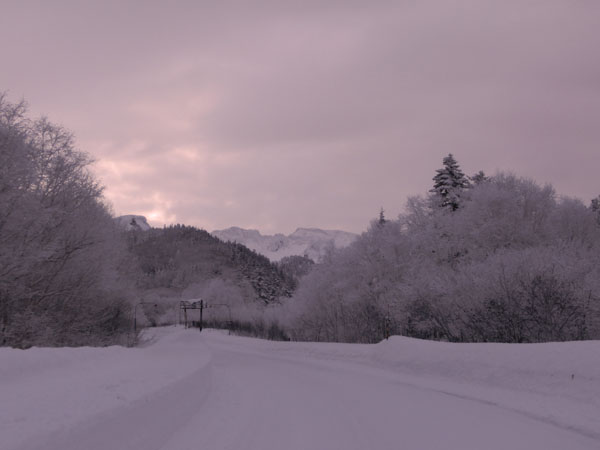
x=449, y=184
x=382, y=220
x=595, y=207
x=480, y=177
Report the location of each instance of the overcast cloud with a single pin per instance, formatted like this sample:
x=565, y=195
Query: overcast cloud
x=274, y=115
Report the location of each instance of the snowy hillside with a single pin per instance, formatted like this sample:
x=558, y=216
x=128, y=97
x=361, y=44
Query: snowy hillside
x=188, y=390
x=311, y=242
x=131, y=222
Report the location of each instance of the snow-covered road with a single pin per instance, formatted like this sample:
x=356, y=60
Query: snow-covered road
x=252, y=394
x=266, y=401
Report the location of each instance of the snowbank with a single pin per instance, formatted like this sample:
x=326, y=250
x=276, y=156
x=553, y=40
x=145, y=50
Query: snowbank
x=557, y=382
x=50, y=390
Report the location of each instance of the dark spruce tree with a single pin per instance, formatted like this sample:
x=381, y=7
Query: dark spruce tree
x=595, y=207
x=449, y=184
x=382, y=220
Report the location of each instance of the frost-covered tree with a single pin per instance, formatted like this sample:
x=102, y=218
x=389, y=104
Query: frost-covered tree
x=595, y=207
x=382, y=220
x=449, y=184
x=479, y=177
x=515, y=263
x=60, y=253
x=295, y=267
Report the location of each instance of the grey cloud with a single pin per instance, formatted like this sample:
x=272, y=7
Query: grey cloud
x=282, y=114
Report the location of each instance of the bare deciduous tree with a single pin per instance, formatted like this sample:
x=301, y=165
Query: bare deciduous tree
x=59, y=249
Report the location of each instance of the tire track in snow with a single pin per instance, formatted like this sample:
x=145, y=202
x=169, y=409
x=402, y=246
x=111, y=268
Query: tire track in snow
x=147, y=423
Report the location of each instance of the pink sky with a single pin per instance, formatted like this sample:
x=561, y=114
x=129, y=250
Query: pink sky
x=275, y=115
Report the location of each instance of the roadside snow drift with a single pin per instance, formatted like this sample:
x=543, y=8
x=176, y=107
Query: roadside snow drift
x=558, y=382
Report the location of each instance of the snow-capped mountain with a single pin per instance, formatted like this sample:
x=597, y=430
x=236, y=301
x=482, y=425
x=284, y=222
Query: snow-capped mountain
x=131, y=222
x=311, y=242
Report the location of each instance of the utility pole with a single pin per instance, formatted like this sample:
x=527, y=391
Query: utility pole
x=196, y=304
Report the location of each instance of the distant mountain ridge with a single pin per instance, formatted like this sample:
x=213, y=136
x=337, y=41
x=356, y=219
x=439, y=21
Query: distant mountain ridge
x=132, y=222
x=310, y=242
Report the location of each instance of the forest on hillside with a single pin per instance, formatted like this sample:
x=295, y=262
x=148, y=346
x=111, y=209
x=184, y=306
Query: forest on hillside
x=180, y=262
x=476, y=259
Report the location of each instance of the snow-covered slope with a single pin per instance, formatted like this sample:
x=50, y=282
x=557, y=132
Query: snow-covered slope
x=131, y=222
x=311, y=242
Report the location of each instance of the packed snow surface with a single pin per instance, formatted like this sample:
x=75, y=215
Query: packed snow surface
x=311, y=242
x=188, y=390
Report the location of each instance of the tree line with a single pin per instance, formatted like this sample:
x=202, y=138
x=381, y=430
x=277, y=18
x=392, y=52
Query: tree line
x=180, y=262
x=61, y=264
x=477, y=259
x=482, y=258
x=70, y=275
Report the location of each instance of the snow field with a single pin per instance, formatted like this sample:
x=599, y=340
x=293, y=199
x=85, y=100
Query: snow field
x=185, y=389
